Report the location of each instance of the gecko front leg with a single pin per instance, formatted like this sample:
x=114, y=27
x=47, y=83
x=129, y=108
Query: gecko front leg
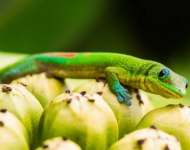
x=122, y=94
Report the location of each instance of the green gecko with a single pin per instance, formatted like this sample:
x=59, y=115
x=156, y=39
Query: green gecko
x=118, y=69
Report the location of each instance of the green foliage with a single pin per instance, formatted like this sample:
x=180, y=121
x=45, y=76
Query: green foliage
x=35, y=26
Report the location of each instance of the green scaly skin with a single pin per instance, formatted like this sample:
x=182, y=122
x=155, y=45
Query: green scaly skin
x=118, y=69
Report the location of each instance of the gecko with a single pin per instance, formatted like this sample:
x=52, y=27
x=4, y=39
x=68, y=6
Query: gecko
x=119, y=70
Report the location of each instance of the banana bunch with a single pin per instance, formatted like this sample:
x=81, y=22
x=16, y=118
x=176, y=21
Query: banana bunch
x=40, y=112
x=123, y=113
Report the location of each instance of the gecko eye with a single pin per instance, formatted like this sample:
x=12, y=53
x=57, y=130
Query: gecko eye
x=164, y=73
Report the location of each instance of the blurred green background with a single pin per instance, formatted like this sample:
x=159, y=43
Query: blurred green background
x=152, y=30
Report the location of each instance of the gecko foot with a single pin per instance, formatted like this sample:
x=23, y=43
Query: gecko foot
x=123, y=95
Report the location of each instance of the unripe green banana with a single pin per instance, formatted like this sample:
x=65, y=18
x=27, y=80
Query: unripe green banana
x=127, y=116
x=71, y=84
x=13, y=134
x=147, y=139
x=59, y=143
x=44, y=88
x=173, y=119
x=19, y=101
x=84, y=118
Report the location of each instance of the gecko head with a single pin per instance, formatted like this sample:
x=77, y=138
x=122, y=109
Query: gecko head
x=163, y=81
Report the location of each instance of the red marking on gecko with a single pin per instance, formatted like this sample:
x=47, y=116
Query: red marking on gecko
x=177, y=85
x=87, y=54
x=67, y=55
x=176, y=78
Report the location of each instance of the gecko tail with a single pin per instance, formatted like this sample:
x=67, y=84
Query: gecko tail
x=19, y=69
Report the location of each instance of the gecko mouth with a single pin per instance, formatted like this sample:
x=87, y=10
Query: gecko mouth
x=176, y=93
x=166, y=90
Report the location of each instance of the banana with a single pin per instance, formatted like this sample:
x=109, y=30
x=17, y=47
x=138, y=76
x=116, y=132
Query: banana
x=59, y=143
x=13, y=134
x=18, y=100
x=83, y=118
x=173, y=119
x=43, y=87
x=147, y=139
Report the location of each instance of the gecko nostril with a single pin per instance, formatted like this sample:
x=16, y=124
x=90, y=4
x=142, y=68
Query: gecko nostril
x=186, y=86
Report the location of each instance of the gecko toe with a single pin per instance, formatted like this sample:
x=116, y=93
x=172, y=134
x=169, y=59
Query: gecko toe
x=128, y=102
x=119, y=98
